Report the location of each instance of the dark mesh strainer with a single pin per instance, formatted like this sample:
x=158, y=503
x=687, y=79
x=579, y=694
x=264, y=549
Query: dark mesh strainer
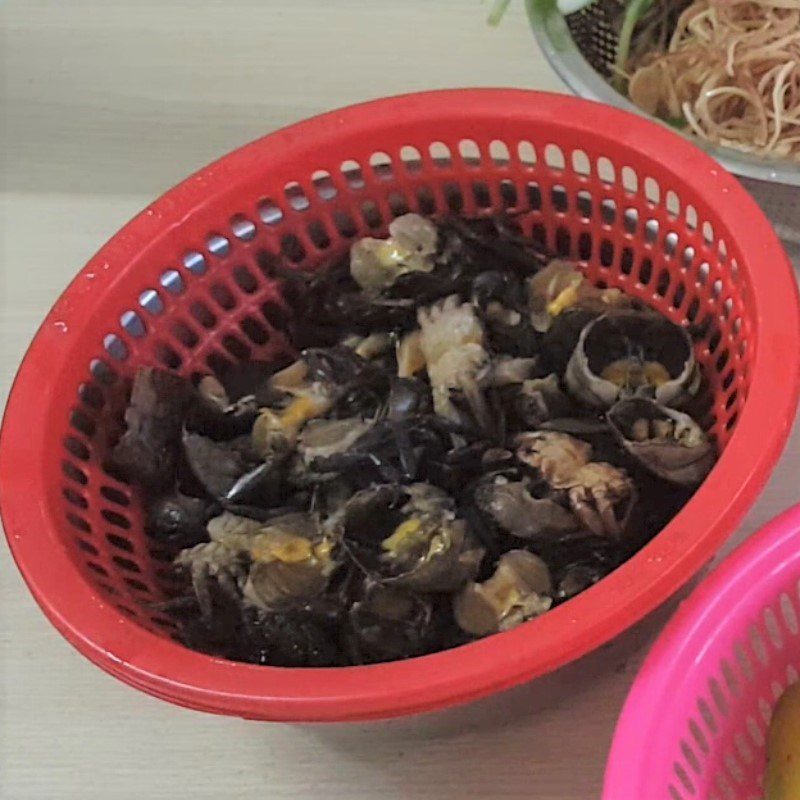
x=594, y=33
x=581, y=49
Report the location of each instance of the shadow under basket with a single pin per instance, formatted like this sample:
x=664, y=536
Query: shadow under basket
x=190, y=285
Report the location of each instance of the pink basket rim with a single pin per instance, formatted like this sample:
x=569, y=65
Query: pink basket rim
x=727, y=595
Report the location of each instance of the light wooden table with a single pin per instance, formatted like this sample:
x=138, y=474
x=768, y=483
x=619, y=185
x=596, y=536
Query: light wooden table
x=104, y=105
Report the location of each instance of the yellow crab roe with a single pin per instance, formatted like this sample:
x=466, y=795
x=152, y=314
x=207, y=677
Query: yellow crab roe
x=628, y=372
x=286, y=423
x=502, y=596
x=406, y=536
x=323, y=550
x=565, y=299
x=299, y=411
x=284, y=547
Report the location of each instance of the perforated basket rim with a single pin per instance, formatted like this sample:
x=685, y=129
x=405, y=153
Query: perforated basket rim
x=679, y=650
x=165, y=669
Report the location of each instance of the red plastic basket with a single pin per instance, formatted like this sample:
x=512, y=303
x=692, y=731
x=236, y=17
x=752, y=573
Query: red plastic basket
x=189, y=284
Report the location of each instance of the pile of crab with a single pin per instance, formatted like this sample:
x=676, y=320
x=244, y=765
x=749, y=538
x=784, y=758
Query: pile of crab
x=468, y=434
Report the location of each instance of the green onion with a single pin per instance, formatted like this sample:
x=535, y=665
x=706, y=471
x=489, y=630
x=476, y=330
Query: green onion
x=633, y=13
x=498, y=10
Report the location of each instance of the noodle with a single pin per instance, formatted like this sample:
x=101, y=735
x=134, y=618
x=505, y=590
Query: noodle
x=730, y=70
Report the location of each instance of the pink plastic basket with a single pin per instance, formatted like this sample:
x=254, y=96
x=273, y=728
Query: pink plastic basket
x=694, y=724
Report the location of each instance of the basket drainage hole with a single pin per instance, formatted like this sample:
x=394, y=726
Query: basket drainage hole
x=584, y=203
x=73, y=473
x=296, y=196
x=102, y=371
x=168, y=356
x=203, y=314
x=115, y=347
x=255, y=333
x=126, y=563
x=245, y=279
x=398, y=203
x=76, y=448
x=526, y=153
x=560, y=199
x=184, y=334
x=276, y=315
x=118, y=520
x=243, y=229
x=645, y=272
x=470, y=152
x=138, y=585
x=87, y=547
x=606, y=253
x=218, y=245
x=318, y=235
x=453, y=197
x=508, y=194
x=345, y=224
x=82, y=423
x=324, y=185
x=534, y=196
x=91, y=395
x=480, y=191
x=440, y=155
x=292, y=248
x=195, y=262
x=120, y=542
x=789, y=614
x=585, y=246
x=218, y=364
x=381, y=164
x=554, y=157
x=236, y=347
x=608, y=211
x=626, y=261
x=563, y=242
x=499, y=153
x=97, y=568
x=351, y=171
x=411, y=158
x=223, y=296
x=74, y=498
x=269, y=212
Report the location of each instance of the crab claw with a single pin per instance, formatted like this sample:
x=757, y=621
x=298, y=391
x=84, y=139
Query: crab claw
x=602, y=497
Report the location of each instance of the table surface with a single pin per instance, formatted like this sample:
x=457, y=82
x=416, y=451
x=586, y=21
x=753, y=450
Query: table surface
x=104, y=105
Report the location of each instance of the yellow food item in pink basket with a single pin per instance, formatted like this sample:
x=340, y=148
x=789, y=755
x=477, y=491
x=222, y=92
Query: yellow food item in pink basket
x=782, y=781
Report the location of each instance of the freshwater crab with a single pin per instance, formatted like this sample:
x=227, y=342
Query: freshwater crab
x=287, y=559
x=451, y=342
x=519, y=588
x=601, y=495
x=409, y=536
x=633, y=354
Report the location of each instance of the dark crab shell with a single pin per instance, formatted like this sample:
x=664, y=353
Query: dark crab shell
x=372, y=515
x=388, y=623
x=178, y=520
x=147, y=452
x=685, y=458
x=638, y=335
x=537, y=400
x=520, y=588
x=512, y=507
x=274, y=583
